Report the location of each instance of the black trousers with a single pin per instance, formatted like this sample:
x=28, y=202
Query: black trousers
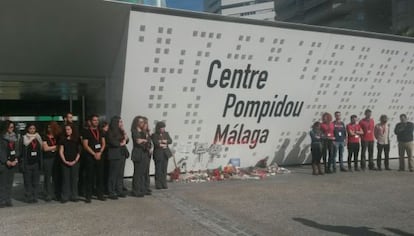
x=70, y=178
x=161, y=165
x=31, y=179
x=121, y=175
x=94, y=177
x=57, y=177
x=139, y=180
x=353, y=150
x=370, y=146
x=316, y=151
x=327, y=150
x=115, y=183
x=48, y=164
x=6, y=183
x=386, y=149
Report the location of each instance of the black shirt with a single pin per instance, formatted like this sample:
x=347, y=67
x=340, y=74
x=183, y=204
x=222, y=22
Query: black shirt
x=50, y=142
x=94, y=138
x=70, y=148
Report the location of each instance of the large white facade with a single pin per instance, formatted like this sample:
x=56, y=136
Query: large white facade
x=236, y=90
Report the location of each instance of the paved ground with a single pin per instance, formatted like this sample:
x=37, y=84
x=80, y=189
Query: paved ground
x=359, y=203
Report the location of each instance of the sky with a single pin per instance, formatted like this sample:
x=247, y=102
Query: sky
x=194, y=5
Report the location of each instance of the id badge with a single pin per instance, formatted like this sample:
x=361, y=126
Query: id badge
x=339, y=134
x=33, y=154
x=356, y=136
x=329, y=135
x=12, y=153
x=98, y=146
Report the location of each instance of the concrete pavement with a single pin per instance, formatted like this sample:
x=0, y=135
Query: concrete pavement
x=359, y=203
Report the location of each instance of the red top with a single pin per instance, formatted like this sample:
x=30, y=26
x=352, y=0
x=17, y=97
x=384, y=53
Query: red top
x=328, y=130
x=353, y=138
x=368, y=128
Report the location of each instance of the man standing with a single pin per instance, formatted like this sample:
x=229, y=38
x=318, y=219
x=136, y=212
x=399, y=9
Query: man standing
x=404, y=132
x=367, y=140
x=340, y=138
x=383, y=142
x=354, y=133
x=93, y=144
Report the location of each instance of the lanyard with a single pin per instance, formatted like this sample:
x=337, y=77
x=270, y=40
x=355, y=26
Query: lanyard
x=11, y=145
x=34, y=144
x=52, y=141
x=95, y=133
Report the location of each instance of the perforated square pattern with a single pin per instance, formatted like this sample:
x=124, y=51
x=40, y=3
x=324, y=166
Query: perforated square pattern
x=232, y=90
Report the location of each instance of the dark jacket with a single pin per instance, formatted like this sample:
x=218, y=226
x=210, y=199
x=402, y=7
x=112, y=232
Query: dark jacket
x=27, y=157
x=115, y=150
x=160, y=152
x=404, y=131
x=141, y=150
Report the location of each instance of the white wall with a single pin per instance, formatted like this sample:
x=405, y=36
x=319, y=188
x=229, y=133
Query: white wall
x=167, y=70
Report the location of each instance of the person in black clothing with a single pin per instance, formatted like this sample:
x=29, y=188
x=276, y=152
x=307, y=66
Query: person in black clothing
x=69, y=153
x=140, y=156
x=31, y=162
x=404, y=131
x=316, y=148
x=50, y=156
x=117, y=153
x=93, y=145
x=9, y=153
x=162, y=153
x=104, y=131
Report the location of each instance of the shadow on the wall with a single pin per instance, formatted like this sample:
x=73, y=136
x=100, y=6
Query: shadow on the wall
x=280, y=154
x=293, y=156
x=345, y=230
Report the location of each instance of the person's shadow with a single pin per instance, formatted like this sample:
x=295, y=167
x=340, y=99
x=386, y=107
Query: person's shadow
x=341, y=229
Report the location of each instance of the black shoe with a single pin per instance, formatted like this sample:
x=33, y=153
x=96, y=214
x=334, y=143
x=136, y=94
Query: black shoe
x=122, y=195
x=379, y=169
x=34, y=200
x=343, y=169
x=387, y=168
x=63, y=201
x=101, y=198
x=8, y=204
x=372, y=168
x=88, y=200
x=158, y=187
x=48, y=198
x=113, y=197
x=149, y=190
x=148, y=193
x=3, y=205
x=74, y=199
x=165, y=187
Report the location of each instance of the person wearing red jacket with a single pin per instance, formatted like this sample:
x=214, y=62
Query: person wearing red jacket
x=354, y=137
x=367, y=140
x=327, y=128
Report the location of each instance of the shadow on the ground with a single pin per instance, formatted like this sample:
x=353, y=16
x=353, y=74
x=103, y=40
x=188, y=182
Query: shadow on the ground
x=346, y=230
x=398, y=232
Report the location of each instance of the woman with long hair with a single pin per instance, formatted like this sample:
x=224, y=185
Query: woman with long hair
x=140, y=156
x=316, y=148
x=9, y=153
x=50, y=155
x=162, y=153
x=31, y=161
x=117, y=153
x=69, y=152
